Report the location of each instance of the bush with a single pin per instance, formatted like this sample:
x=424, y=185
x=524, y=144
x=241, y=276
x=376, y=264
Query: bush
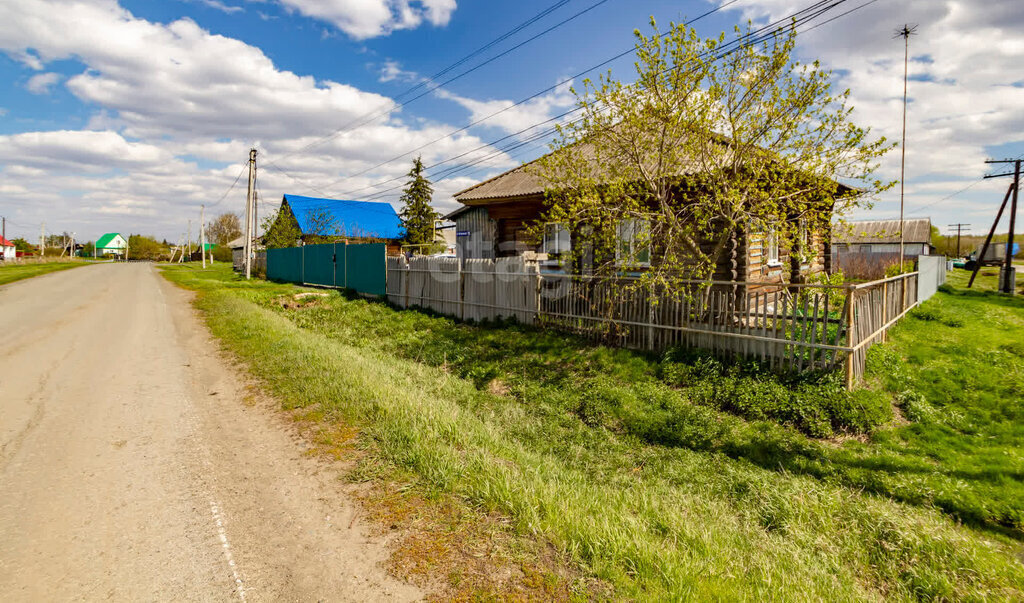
x=817, y=405
x=222, y=253
x=896, y=269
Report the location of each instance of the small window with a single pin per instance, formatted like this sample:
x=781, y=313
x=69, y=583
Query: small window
x=634, y=242
x=806, y=238
x=556, y=239
x=771, y=247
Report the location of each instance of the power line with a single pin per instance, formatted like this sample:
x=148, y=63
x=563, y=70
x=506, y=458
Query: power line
x=529, y=98
x=232, y=187
x=802, y=16
x=755, y=37
x=368, y=118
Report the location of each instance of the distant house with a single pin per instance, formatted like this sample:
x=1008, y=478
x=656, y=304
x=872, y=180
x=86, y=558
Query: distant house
x=318, y=219
x=883, y=237
x=7, y=250
x=111, y=243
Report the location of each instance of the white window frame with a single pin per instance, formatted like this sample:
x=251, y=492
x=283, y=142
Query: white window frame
x=552, y=243
x=626, y=232
x=806, y=244
x=771, y=247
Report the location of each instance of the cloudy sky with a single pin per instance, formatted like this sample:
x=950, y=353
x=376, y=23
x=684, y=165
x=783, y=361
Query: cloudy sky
x=127, y=115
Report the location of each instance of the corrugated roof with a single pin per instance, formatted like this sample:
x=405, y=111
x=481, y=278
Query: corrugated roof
x=104, y=241
x=517, y=182
x=5, y=243
x=883, y=231
x=352, y=218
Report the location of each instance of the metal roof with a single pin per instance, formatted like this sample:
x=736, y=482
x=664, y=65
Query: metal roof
x=352, y=218
x=104, y=241
x=883, y=231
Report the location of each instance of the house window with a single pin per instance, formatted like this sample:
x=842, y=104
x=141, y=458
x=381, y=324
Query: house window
x=771, y=247
x=806, y=239
x=634, y=247
x=556, y=239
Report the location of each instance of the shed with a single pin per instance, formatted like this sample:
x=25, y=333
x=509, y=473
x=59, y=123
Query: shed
x=883, y=237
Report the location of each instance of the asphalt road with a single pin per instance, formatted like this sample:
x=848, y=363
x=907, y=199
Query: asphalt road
x=135, y=466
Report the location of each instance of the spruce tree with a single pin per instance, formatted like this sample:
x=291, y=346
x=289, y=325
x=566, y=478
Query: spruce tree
x=417, y=215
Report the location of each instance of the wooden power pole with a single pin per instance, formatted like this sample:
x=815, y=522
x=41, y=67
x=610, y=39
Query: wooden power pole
x=958, y=227
x=202, y=233
x=249, y=213
x=1007, y=283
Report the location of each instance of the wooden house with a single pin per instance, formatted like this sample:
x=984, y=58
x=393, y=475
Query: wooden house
x=496, y=216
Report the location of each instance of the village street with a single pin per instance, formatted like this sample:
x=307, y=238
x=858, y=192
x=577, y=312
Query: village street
x=133, y=466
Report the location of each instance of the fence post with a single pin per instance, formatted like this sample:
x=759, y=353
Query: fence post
x=885, y=308
x=462, y=291
x=849, y=338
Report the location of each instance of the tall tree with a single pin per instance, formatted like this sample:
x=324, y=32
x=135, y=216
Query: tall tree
x=224, y=229
x=417, y=215
x=705, y=143
x=281, y=229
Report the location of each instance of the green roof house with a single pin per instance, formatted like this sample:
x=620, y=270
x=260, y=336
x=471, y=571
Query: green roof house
x=111, y=243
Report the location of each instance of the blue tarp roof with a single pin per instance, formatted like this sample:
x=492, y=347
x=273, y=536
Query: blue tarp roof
x=352, y=218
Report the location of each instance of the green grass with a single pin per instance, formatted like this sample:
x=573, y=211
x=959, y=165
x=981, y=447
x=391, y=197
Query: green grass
x=617, y=460
x=17, y=272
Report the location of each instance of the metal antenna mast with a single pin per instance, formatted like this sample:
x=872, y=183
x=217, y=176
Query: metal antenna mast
x=904, y=32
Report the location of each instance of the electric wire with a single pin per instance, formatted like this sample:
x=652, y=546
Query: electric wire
x=370, y=117
x=757, y=36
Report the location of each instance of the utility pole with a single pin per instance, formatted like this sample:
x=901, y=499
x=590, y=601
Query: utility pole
x=904, y=32
x=188, y=240
x=958, y=227
x=1007, y=283
x=42, y=239
x=249, y=213
x=202, y=233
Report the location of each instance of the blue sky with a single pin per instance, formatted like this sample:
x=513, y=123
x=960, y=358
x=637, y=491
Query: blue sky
x=127, y=115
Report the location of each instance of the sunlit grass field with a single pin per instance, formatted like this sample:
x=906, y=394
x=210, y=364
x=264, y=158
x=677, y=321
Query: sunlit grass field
x=16, y=272
x=651, y=474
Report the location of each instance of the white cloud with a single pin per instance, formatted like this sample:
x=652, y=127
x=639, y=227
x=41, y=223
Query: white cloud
x=964, y=57
x=516, y=118
x=392, y=71
x=78, y=150
x=42, y=82
x=173, y=99
x=218, y=5
x=362, y=19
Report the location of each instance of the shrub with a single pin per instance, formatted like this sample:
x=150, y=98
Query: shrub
x=222, y=253
x=817, y=405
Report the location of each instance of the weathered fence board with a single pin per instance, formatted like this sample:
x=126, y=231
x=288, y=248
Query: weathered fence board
x=790, y=327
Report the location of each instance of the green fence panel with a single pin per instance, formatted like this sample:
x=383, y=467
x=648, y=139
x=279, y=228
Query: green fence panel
x=318, y=264
x=285, y=264
x=340, y=266
x=366, y=268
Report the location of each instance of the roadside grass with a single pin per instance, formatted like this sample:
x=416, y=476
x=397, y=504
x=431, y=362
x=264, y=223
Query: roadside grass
x=17, y=272
x=597, y=452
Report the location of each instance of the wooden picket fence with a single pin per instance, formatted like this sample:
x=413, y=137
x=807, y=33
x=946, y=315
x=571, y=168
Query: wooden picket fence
x=788, y=327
